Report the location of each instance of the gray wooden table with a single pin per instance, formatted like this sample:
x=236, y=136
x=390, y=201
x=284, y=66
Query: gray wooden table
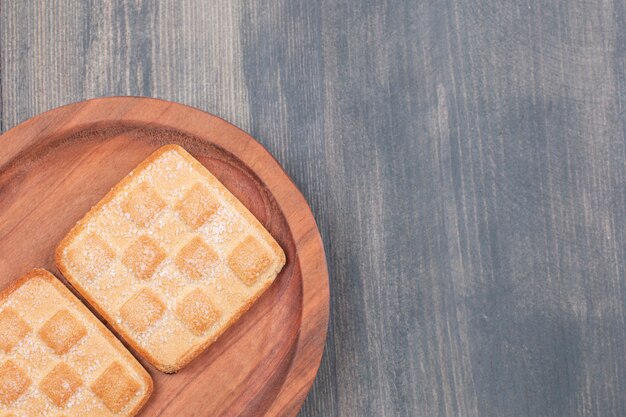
x=465, y=160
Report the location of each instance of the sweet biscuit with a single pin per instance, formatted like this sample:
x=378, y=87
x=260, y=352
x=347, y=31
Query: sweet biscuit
x=170, y=258
x=55, y=352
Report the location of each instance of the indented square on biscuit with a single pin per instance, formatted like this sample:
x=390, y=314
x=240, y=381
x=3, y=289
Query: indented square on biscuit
x=142, y=310
x=60, y=384
x=91, y=256
x=115, y=387
x=197, y=311
x=249, y=260
x=143, y=257
x=62, y=332
x=13, y=382
x=12, y=329
x=196, y=258
x=197, y=206
x=143, y=205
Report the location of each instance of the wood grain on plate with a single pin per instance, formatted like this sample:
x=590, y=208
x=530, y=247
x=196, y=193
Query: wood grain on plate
x=54, y=167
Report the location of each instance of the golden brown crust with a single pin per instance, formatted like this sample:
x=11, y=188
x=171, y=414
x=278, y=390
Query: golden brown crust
x=242, y=210
x=106, y=333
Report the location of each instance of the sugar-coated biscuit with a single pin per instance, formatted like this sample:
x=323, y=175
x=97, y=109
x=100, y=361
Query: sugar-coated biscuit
x=56, y=357
x=170, y=258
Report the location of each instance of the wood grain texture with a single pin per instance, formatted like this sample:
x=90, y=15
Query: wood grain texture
x=464, y=160
x=62, y=162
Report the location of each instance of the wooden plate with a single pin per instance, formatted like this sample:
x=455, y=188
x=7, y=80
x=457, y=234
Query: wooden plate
x=55, y=166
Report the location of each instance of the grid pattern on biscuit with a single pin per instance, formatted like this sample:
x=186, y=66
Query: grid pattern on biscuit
x=169, y=259
x=56, y=355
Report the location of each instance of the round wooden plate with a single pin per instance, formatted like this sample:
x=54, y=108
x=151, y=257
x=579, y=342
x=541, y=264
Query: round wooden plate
x=55, y=166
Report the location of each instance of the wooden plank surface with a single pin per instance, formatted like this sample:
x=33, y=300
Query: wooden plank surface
x=464, y=160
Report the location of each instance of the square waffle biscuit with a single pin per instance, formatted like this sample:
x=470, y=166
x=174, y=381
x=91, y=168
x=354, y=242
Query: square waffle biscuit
x=57, y=359
x=170, y=258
